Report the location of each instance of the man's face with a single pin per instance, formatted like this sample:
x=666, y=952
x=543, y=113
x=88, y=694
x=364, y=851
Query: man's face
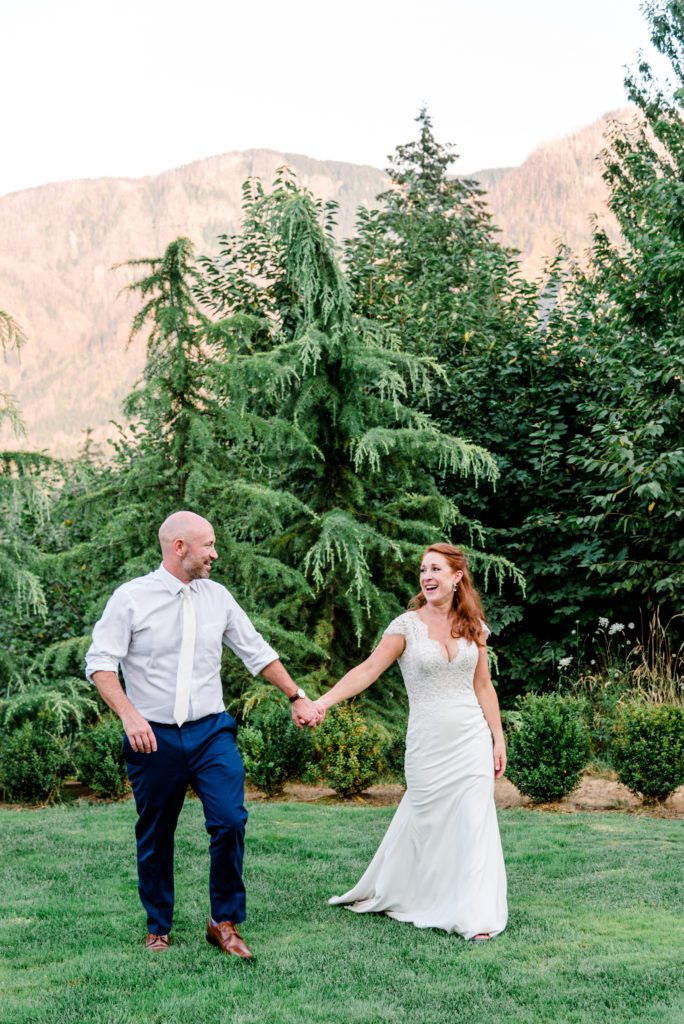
x=199, y=553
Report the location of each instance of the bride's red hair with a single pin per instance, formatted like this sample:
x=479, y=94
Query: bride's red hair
x=468, y=615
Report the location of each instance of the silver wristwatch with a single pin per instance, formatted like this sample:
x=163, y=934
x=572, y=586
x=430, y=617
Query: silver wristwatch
x=297, y=695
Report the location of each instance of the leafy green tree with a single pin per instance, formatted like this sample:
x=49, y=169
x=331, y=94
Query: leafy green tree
x=560, y=381
x=636, y=312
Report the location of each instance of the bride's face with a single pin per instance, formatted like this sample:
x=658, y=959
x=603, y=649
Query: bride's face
x=437, y=579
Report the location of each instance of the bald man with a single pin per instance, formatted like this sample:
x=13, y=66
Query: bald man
x=165, y=631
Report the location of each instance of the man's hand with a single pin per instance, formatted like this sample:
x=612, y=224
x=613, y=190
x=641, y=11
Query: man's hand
x=305, y=712
x=136, y=727
x=139, y=732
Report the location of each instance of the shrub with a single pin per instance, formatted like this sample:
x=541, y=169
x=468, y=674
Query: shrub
x=393, y=753
x=599, y=706
x=350, y=751
x=33, y=763
x=648, y=749
x=273, y=749
x=549, y=748
x=99, y=758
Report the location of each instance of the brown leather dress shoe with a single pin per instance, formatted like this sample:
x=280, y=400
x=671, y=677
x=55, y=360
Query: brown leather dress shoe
x=157, y=942
x=225, y=935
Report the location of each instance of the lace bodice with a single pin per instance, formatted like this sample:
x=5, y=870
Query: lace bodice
x=428, y=676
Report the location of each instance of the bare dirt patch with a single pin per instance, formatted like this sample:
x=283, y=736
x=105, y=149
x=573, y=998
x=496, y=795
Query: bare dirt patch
x=594, y=793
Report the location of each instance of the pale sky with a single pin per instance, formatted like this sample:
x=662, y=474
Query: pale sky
x=134, y=87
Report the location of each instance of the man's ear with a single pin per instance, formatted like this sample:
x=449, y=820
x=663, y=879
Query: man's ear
x=179, y=547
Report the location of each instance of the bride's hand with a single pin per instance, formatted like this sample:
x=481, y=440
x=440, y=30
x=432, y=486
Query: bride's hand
x=499, y=758
x=322, y=707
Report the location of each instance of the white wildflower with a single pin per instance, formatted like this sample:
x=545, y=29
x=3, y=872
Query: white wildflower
x=616, y=627
x=564, y=662
x=630, y=625
x=593, y=661
x=603, y=623
x=573, y=631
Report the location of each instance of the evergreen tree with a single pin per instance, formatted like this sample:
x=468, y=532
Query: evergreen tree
x=290, y=421
x=23, y=501
x=184, y=447
x=158, y=465
x=11, y=337
x=429, y=262
x=27, y=489
x=329, y=398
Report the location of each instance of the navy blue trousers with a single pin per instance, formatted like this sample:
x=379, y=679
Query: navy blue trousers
x=203, y=754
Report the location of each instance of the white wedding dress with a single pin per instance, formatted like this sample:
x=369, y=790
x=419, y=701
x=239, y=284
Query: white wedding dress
x=440, y=864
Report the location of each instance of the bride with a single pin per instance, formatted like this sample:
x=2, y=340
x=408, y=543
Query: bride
x=440, y=864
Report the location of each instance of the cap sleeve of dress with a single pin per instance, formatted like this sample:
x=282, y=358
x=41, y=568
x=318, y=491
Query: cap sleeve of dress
x=398, y=626
x=485, y=629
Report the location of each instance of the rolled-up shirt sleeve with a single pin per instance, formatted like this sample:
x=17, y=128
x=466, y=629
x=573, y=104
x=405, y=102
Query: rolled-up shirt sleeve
x=244, y=640
x=111, y=636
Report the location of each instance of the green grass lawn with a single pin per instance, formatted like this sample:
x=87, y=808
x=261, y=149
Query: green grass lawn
x=596, y=930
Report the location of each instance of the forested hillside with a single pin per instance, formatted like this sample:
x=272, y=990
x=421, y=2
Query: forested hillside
x=552, y=196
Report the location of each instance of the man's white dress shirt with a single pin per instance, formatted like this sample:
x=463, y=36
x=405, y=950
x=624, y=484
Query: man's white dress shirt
x=141, y=631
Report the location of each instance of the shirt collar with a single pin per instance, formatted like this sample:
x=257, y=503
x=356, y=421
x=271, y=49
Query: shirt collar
x=171, y=582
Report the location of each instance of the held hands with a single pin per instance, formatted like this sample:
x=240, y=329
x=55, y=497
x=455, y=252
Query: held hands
x=499, y=758
x=307, y=712
x=322, y=706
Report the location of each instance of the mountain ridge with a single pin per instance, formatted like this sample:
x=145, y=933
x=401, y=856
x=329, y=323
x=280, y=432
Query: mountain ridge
x=58, y=242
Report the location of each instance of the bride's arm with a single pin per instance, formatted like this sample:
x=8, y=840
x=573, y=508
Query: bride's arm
x=489, y=702
x=360, y=678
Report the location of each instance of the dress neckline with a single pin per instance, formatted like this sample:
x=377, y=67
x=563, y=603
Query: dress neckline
x=442, y=648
